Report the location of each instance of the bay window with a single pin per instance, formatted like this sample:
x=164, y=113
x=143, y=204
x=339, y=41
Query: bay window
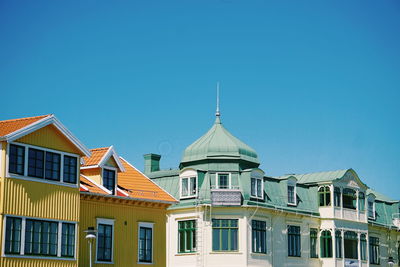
x=324, y=196
x=349, y=198
x=337, y=196
x=338, y=244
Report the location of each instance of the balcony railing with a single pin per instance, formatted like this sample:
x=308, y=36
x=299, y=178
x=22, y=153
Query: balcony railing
x=226, y=196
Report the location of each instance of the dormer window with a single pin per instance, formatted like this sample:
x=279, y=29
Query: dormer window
x=257, y=187
x=371, y=208
x=223, y=181
x=109, y=179
x=188, y=184
x=291, y=191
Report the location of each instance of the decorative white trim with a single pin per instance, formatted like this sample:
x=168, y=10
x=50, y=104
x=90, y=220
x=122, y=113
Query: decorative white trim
x=189, y=185
x=229, y=180
x=50, y=119
x=107, y=222
x=84, y=187
x=111, y=152
x=147, y=225
x=292, y=181
x=262, y=188
x=121, y=191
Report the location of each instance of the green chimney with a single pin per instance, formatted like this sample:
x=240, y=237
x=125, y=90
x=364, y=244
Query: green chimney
x=151, y=162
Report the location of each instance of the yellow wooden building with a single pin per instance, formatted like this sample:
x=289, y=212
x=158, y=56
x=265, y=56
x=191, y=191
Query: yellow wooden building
x=48, y=199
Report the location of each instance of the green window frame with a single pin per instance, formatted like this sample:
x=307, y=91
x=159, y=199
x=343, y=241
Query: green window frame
x=361, y=201
x=41, y=238
x=326, y=244
x=338, y=244
x=363, y=247
x=68, y=240
x=187, y=236
x=313, y=243
x=374, y=255
x=324, y=196
x=350, y=245
x=294, y=241
x=259, y=236
x=13, y=235
x=225, y=234
x=349, y=198
x=16, y=159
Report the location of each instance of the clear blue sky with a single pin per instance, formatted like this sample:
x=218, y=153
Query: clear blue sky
x=311, y=85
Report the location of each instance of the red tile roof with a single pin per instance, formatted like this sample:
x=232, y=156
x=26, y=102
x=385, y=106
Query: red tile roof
x=10, y=126
x=95, y=158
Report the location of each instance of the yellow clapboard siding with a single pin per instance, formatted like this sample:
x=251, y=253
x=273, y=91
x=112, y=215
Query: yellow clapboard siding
x=49, y=137
x=37, y=199
x=125, y=235
x=29, y=262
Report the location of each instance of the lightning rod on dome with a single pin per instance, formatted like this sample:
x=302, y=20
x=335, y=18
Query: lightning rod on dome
x=217, y=113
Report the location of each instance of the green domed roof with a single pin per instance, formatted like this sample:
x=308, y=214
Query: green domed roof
x=218, y=143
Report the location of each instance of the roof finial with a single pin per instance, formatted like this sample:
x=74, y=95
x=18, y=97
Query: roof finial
x=217, y=113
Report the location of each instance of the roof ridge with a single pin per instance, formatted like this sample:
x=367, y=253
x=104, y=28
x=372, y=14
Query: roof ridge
x=26, y=118
x=100, y=148
x=293, y=174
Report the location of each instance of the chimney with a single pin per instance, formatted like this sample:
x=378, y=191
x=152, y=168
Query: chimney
x=151, y=162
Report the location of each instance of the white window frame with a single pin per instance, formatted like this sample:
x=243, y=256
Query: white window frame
x=291, y=182
x=371, y=199
x=22, y=241
x=42, y=180
x=107, y=222
x=187, y=175
x=148, y=225
x=229, y=180
x=261, y=180
x=115, y=178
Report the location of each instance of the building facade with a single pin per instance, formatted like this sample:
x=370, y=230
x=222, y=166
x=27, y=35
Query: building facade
x=231, y=214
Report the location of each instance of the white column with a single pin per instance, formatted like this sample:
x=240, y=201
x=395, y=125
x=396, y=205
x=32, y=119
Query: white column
x=359, y=247
x=341, y=201
x=367, y=237
x=343, y=257
x=334, y=245
x=357, y=208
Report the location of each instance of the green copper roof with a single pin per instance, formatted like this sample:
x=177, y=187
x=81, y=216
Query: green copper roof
x=218, y=143
x=317, y=177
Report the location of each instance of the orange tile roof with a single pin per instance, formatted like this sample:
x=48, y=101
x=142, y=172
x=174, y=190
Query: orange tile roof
x=91, y=186
x=97, y=155
x=137, y=185
x=10, y=126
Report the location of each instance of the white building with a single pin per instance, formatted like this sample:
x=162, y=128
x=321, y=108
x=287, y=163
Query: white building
x=231, y=214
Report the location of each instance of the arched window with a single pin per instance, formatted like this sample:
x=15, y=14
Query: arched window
x=324, y=196
x=349, y=198
x=326, y=244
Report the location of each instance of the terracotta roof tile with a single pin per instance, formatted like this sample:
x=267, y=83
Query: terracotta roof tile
x=139, y=186
x=10, y=126
x=97, y=155
x=92, y=187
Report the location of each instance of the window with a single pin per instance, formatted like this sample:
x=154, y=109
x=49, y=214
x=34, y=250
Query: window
x=188, y=187
x=326, y=244
x=223, y=181
x=145, y=242
x=350, y=245
x=258, y=236
x=16, y=159
x=324, y=196
x=294, y=241
x=374, y=257
x=371, y=209
x=43, y=164
x=338, y=244
x=363, y=247
x=13, y=235
x=313, y=243
x=337, y=196
x=68, y=240
x=109, y=180
x=291, y=194
x=41, y=238
x=70, y=169
x=256, y=188
x=36, y=163
x=349, y=198
x=53, y=166
x=105, y=240
x=187, y=236
x=225, y=234
x=361, y=201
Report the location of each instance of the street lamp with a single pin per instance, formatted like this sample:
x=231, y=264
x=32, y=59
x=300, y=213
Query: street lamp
x=90, y=236
x=390, y=261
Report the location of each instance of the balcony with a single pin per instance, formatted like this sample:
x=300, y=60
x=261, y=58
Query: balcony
x=226, y=197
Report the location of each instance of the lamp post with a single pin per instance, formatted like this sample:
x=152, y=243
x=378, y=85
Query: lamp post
x=90, y=236
x=390, y=261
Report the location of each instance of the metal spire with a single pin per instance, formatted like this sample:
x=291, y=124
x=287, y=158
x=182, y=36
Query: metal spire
x=217, y=113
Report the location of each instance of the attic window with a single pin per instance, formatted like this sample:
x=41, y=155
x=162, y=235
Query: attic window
x=109, y=180
x=371, y=208
x=188, y=187
x=257, y=187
